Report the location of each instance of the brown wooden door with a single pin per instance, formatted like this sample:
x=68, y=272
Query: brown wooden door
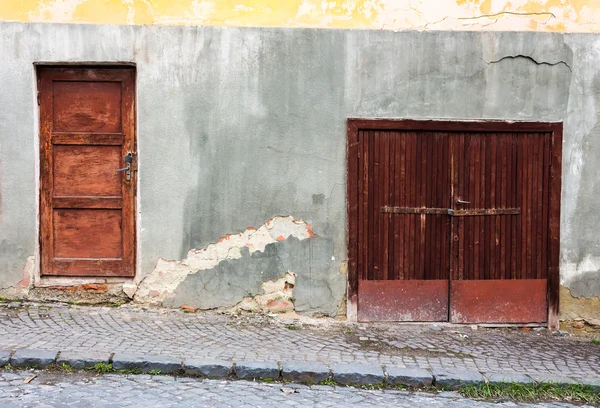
x=453, y=221
x=87, y=208
x=404, y=269
x=499, y=269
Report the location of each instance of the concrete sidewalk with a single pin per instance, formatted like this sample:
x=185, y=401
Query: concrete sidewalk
x=217, y=345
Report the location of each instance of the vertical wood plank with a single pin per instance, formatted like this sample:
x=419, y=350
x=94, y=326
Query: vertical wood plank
x=354, y=185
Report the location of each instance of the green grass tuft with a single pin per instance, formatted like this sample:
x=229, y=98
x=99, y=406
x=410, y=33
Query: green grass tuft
x=532, y=392
x=102, y=368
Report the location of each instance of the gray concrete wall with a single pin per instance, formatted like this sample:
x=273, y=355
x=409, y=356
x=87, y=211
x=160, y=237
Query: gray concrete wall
x=239, y=125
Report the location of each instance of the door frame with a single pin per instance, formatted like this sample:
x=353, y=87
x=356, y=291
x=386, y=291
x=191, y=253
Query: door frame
x=352, y=193
x=35, y=264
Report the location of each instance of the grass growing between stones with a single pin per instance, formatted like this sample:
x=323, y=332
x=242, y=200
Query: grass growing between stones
x=530, y=393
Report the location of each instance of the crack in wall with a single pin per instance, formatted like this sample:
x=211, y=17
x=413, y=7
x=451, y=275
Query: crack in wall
x=531, y=59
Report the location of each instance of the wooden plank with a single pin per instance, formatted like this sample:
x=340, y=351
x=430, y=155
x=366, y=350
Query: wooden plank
x=90, y=139
x=371, y=213
x=380, y=183
x=514, y=201
x=398, y=223
x=385, y=190
x=412, y=202
x=402, y=200
x=90, y=267
x=545, y=202
x=498, y=301
x=453, y=126
x=87, y=202
x=528, y=208
x=129, y=186
x=46, y=173
x=402, y=300
x=354, y=185
x=475, y=195
x=461, y=229
x=364, y=222
x=390, y=199
x=554, y=226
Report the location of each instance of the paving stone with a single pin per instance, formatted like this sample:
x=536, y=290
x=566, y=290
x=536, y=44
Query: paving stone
x=454, y=379
x=212, y=336
x=256, y=369
x=80, y=360
x=208, y=368
x=146, y=363
x=302, y=371
x=412, y=377
x=508, y=378
x=357, y=373
x=33, y=358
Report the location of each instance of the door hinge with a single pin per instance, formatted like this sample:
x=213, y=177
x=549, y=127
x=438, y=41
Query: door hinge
x=38, y=98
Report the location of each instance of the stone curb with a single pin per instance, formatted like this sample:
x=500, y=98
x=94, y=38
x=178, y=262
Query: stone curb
x=293, y=371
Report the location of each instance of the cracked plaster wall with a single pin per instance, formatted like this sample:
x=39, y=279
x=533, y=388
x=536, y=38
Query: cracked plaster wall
x=500, y=15
x=237, y=125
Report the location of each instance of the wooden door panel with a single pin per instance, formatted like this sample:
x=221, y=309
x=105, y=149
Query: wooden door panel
x=87, y=170
x=87, y=106
x=497, y=171
x=87, y=233
x=87, y=208
x=404, y=269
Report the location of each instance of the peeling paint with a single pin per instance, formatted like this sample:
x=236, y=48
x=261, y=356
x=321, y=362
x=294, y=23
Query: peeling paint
x=515, y=15
x=168, y=275
x=579, y=308
x=277, y=297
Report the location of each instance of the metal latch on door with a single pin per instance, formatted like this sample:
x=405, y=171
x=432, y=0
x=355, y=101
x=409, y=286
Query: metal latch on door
x=128, y=159
x=451, y=212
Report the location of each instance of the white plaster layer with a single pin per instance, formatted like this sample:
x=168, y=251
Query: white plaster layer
x=167, y=275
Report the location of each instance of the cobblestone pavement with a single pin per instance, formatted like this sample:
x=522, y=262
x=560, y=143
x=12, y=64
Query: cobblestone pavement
x=79, y=390
x=261, y=338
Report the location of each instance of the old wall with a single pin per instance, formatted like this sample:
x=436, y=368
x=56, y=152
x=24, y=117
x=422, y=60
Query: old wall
x=488, y=15
x=243, y=129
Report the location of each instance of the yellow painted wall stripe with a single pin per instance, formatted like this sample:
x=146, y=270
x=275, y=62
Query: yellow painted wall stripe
x=515, y=15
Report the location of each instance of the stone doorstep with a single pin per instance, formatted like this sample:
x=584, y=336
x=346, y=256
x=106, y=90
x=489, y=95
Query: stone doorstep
x=208, y=368
x=356, y=373
x=4, y=357
x=81, y=360
x=146, y=363
x=411, y=377
x=248, y=370
x=304, y=371
x=33, y=358
x=453, y=380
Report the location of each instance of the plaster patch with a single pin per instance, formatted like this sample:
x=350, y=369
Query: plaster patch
x=570, y=271
x=167, y=275
x=277, y=297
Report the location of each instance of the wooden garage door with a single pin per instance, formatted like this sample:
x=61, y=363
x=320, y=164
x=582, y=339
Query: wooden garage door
x=87, y=217
x=456, y=224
